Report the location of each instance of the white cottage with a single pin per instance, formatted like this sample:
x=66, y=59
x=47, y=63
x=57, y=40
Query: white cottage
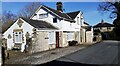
x=17, y=34
x=46, y=29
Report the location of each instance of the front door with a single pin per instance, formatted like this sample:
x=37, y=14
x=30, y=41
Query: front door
x=57, y=39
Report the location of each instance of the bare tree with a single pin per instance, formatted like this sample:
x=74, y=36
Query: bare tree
x=29, y=9
x=7, y=19
x=112, y=6
x=8, y=16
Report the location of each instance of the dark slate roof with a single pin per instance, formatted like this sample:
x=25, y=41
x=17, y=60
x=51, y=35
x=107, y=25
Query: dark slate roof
x=35, y=23
x=60, y=14
x=67, y=16
x=104, y=25
x=39, y=24
x=86, y=23
x=73, y=14
x=5, y=26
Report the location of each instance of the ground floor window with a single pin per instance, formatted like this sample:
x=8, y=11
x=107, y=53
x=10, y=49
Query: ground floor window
x=70, y=36
x=18, y=37
x=51, y=36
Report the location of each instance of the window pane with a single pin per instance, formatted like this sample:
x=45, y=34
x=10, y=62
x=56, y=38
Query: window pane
x=18, y=37
x=54, y=20
x=51, y=37
x=43, y=15
x=70, y=36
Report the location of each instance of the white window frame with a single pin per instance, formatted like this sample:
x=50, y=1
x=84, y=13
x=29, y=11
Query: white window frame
x=54, y=20
x=51, y=35
x=18, y=37
x=70, y=36
x=44, y=15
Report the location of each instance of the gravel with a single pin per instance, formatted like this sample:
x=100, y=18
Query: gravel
x=46, y=56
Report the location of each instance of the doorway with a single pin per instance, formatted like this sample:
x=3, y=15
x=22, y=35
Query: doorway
x=57, y=39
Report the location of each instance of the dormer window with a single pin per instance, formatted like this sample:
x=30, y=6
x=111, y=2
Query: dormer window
x=54, y=20
x=45, y=15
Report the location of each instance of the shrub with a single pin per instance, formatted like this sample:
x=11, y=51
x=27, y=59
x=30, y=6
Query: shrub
x=72, y=43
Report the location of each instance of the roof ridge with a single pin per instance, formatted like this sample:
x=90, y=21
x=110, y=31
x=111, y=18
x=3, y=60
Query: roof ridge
x=56, y=13
x=73, y=12
x=86, y=23
x=30, y=21
x=105, y=24
x=68, y=17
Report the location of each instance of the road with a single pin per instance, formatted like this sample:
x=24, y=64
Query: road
x=0, y=56
x=105, y=52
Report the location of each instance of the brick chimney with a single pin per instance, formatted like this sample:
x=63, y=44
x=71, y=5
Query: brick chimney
x=59, y=6
x=102, y=21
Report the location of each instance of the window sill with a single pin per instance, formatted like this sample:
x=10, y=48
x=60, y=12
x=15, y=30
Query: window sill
x=18, y=43
x=51, y=43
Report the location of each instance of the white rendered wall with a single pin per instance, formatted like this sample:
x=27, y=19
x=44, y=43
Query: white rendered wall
x=26, y=28
x=61, y=24
x=49, y=19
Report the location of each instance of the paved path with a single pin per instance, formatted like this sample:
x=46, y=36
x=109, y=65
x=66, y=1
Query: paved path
x=105, y=52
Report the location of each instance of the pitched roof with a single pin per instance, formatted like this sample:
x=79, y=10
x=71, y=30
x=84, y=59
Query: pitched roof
x=35, y=23
x=57, y=13
x=73, y=14
x=104, y=25
x=5, y=26
x=86, y=23
x=39, y=24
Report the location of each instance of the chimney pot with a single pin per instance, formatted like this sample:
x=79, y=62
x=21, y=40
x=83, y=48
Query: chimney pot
x=59, y=6
x=102, y=21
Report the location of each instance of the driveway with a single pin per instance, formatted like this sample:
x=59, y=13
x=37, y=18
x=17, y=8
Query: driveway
x=104, y=53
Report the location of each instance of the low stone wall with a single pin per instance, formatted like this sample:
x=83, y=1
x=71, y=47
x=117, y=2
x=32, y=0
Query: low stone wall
x=40, y=42
x=77, y=36
x=65, y=42
x=89, y=37
x=61, y=39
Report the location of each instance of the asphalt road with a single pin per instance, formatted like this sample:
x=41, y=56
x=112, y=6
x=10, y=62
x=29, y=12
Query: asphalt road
x=0, y=56
x=106, y=52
